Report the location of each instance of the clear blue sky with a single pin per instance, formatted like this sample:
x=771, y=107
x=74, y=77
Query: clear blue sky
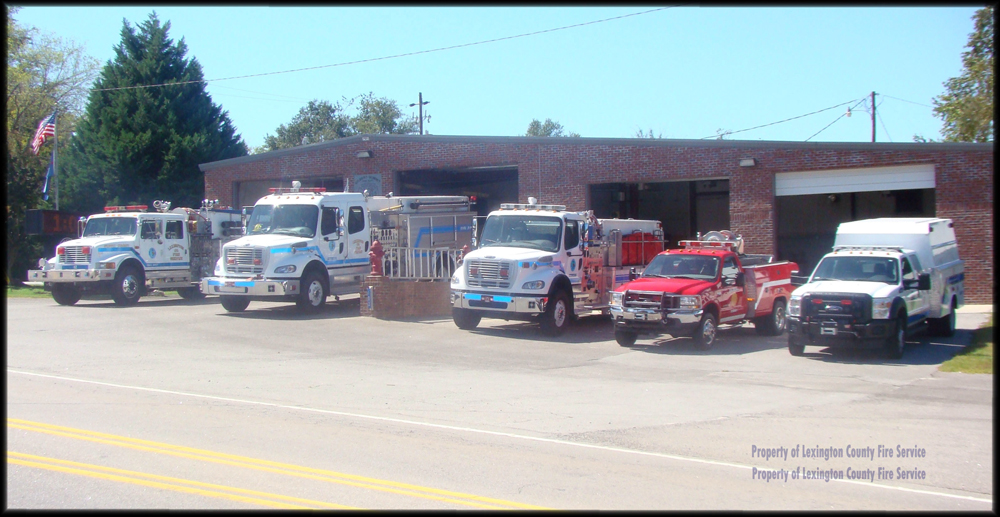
x=684, y=72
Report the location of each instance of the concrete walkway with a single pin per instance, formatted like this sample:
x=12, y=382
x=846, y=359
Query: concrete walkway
x=976, y=309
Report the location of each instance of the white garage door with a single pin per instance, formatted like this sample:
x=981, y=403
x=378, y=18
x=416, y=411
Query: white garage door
x=904, y=177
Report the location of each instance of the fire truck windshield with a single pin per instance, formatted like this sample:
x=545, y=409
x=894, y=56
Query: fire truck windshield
x=98, y=226
x=523, y=231
x=695, y=267
x=298, y=220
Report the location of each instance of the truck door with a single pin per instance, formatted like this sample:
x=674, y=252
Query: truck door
x=917, y=302
x=732, y=300
x=151, y=241
x=573, y=254
x=176, y=243
x=333, y=241
x=358, y=239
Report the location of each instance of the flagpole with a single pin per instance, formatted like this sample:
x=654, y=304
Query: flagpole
x=55, y=154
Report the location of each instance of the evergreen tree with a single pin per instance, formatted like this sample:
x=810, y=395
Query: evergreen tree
x=148, y=124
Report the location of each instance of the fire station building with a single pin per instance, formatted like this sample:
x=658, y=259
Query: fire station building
x=785, y=198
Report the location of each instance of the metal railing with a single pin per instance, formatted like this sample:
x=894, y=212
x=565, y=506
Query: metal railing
x=420, y=263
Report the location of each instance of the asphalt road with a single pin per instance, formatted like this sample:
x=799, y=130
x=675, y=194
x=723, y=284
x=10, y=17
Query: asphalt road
x=180, y=405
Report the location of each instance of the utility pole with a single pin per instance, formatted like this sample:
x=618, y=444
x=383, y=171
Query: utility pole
x=873, y=117
x=421, y=103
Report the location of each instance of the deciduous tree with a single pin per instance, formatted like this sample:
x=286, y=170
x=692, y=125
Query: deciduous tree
x=547, y=128
x=967, y=106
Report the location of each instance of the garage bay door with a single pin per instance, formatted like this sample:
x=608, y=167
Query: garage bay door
x=906, y=177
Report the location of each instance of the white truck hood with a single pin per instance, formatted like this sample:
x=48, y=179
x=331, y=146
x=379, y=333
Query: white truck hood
x=266, y=241
x=508, y=253
x=875, y=289
x=101, y=240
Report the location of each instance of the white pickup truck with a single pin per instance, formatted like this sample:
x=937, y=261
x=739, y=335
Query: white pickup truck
x=885, y=279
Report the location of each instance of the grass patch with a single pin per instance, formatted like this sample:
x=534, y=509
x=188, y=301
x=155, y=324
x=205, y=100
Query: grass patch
x=26, y=291
x=978, y=356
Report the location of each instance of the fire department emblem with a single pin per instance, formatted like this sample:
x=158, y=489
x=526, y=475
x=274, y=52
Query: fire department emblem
x=152, y=253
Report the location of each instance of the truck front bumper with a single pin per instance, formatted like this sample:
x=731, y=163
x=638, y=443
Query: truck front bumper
x=70, y=275
x=841, y=334
x=256, y=287
x=651, y=321
x=499, y=302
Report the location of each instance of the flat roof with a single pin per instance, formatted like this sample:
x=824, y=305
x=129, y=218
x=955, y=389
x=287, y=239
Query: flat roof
x=633, y=142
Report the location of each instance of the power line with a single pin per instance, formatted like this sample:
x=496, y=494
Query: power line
x=904, y=100
x=878, y=115
x=395, y=55
x=780, y=121
x=842, y=115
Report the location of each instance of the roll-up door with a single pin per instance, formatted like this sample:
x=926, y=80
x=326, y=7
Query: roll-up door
x=868, y=179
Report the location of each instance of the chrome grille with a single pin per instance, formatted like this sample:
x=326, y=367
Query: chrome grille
x=245, y=260
x=489, y=273
x=643, y=299
x=74, y=255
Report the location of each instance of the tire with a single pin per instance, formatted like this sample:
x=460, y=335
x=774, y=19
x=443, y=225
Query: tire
x=234, y=303
x=312, y=294
x=190, y=293
x=895, y=343
x=945, y=326
x=128, y=286
x=65, y=294
x=557, y=314
x=466, y=319
x=773, y=324
x=704, y=337
x=625, y=337
x=794, y=348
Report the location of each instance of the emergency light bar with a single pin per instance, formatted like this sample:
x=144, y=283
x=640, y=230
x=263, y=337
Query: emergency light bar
x=851, y=248
x=293, y=190
x=521, y=206
x=709, y=244
x=128, y=208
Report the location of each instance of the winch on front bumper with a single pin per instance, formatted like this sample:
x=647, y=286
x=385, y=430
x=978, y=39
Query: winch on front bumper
x=838, y=320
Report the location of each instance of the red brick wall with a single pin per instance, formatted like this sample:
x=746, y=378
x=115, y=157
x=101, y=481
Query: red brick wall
x=400, y=299
x=558, y=171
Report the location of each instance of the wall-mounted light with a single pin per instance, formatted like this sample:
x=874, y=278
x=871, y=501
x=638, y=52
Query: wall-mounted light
x=748, y=162
x=364, y=154
x=833, y=198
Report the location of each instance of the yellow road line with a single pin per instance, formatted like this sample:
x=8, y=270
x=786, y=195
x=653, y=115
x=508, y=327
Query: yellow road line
x=271, y=466
x=167, y=483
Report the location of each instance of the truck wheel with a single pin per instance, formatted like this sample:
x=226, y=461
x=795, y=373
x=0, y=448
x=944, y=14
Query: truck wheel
x=190, y=293
x=794, y=348
x=945, y=326
x=625, y=338
x=897, y=341
x=65, y=294
x=234, y=303
x=313, y=293
x=773, y=324
x=466, y=319
x=128, y=286
x=557, y=314
x=704, y=337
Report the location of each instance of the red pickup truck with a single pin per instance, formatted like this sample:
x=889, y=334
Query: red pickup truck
x=690, y=292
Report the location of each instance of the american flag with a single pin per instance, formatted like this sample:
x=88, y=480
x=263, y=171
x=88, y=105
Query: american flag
x=46, y=128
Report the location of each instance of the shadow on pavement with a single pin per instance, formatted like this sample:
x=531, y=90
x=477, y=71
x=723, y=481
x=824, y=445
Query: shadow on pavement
x=728, y=341
x=920, y=350
x=288, y=311
x=587, y=329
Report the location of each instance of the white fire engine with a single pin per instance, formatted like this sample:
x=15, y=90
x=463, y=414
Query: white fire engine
x=305, y=244
x=541, y=262
x=127, y=250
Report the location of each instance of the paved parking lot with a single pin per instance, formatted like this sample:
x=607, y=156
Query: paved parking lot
x=569, y=422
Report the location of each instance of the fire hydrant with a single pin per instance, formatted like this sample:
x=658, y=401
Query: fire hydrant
x=375, y=255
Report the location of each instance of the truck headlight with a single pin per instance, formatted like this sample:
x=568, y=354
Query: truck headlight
x=280, y=270
x=42, y=263
x=105, y=265
x=537, y=284
x=616, y=299
x=795, y=306
x=880, y=308
x=690, y=302
x=454, y=279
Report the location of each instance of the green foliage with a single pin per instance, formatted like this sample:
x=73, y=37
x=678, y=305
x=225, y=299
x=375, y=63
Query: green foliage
x=43, y=73
x=967, y=106
x=140, y=141
x=641, y=134
x=547, y=128
x=320, y=121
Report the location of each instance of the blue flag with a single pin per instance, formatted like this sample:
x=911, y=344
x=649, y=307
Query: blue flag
x=45, y=187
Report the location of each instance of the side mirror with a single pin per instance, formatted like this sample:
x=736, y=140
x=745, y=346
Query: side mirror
x=632, y=275
x=740, y=280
